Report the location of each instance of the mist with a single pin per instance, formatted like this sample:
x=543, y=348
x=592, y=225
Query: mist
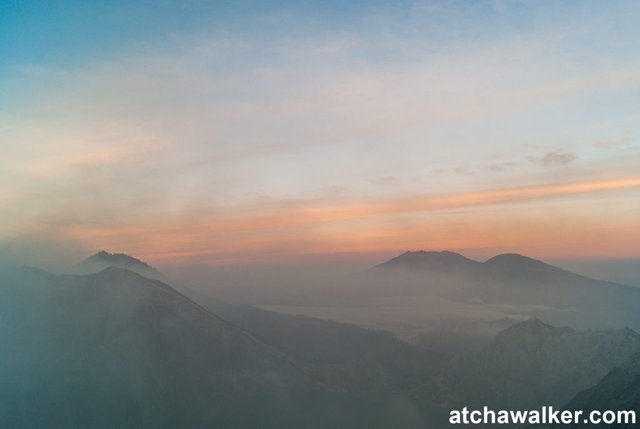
x=624, y=271
x=371, y=342
x=49, y=251
x=416, y=305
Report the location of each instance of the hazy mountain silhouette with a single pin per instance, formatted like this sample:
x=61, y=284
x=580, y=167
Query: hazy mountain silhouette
x=533, y=364
x=444, y=261
x=506, y=266
x=514, y=266
x=115, y=349
x=104, y=259
x=540, y=289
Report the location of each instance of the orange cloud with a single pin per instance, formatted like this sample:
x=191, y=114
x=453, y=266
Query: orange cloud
x=395, y=223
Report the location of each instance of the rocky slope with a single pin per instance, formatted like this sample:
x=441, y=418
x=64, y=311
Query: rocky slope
x=533, y=364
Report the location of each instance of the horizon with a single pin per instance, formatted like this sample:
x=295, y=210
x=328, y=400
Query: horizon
x=256, y=133
x=625, y=272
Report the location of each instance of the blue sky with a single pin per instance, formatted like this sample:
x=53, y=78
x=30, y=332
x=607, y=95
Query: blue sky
x=68, y=33
x=279, y=128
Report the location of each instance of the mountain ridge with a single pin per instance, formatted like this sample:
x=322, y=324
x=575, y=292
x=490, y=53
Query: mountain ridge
x=532, y=364
x=420, y=260
x=113, y=271
x=103, y=259
x=117, y=349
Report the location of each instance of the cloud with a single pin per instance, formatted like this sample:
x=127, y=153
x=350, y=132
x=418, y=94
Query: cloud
x=326, y=226
x=385, y=181
x=201, y=130
x=500, y=166
x=621, y=143
x=554, y=159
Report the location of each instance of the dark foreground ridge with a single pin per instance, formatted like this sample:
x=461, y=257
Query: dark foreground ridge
x=116, y=349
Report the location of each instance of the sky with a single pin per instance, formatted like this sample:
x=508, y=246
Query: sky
x=223, y=132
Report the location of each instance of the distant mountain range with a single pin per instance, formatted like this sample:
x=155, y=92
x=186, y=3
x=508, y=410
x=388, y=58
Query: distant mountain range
x=507, y=266
x=554, y=294
x=117, y=349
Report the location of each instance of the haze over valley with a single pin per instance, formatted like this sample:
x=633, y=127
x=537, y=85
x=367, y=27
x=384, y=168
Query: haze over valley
x=420, y=295
x=112, y=347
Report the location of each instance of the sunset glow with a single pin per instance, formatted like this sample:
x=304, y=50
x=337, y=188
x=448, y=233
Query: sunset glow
x=261, y=131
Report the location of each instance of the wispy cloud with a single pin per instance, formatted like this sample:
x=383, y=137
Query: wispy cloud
x=621, y=143
x=201, y=137
x=315, y=225
x=554, y=159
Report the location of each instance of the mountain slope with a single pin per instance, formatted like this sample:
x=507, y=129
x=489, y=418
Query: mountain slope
x=514, y=266
x=618, y=390
x=115, y=349
x=533, y=364
x=340, y=355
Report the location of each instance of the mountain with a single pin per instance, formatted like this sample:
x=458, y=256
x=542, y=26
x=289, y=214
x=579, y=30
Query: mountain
x=619, y=390
x=421, y=296
x=104, y=259
x=511, y=284
x=505, y=266
x=116, y=349
x=515, y=266
x=532, y=364
x=444, y=261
